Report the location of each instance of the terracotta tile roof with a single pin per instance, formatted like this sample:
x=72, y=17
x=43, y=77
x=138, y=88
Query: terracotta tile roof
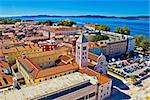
x=58, y=28
x=1, y=53
x=37, y=72
x=101, y=78
x=4, y=65
x=46, y=53
x=57, y=70
x=8, y=78
x=9, y=50
x=35, y=38
x=66, y=59
x=20, y=48
x=91, y=64
x=92, y=56
x=61, y=63
x=30, y=66
x=16, y=49
x=90, y=25
x=10, y=42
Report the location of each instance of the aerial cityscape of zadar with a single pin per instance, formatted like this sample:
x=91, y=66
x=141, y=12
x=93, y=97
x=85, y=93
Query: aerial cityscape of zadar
x=69, y=50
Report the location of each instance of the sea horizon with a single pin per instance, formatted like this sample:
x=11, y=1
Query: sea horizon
x=137, y=27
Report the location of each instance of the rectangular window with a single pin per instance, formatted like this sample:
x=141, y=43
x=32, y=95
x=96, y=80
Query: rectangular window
x=107, y=88
x=92, y=95
x=86, y=97
x=84, y=48
x=78, y=47
x=82, y=98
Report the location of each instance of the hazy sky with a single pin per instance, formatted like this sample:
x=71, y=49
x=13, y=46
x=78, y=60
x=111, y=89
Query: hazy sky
x=74, y=7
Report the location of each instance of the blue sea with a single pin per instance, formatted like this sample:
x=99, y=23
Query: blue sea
x=137, y=27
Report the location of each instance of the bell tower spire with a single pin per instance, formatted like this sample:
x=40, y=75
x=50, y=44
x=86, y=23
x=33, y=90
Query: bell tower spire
x=82, y=51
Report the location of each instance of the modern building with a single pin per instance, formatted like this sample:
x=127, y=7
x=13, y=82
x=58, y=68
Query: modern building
x=117, y=44
x=116, y=48
x=98, y=48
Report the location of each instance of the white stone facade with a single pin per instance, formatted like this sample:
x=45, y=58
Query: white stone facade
x=104, y=90
x=102, y=65
x=82, y=52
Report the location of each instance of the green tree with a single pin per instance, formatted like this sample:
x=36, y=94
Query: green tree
x=124, y=30
x=17, y=20
x=100, y=37
x=103, y=27
x=49, y=22
x=117, y=29
x=65, y=23
x=9, y=21
x=138, y=39
x=145, y=44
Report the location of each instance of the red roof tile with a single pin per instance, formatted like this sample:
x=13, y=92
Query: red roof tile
x=101, y=78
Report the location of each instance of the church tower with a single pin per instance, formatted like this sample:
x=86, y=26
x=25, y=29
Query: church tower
x=82, y=51
x=102, y=65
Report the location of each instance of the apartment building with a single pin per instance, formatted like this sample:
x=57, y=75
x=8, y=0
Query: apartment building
x=117, y=44
x=116, y=48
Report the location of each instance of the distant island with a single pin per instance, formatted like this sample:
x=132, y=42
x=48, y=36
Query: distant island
x=89, y=16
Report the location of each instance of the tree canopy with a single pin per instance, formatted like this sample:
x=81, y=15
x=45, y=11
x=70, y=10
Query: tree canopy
x=65, y=23
x=142, y=41
x=100, y=37
x=145, y=44
x=48, y=22
x=9, y=21
x=122, y=30
x=138, y=39
x=103, y=27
